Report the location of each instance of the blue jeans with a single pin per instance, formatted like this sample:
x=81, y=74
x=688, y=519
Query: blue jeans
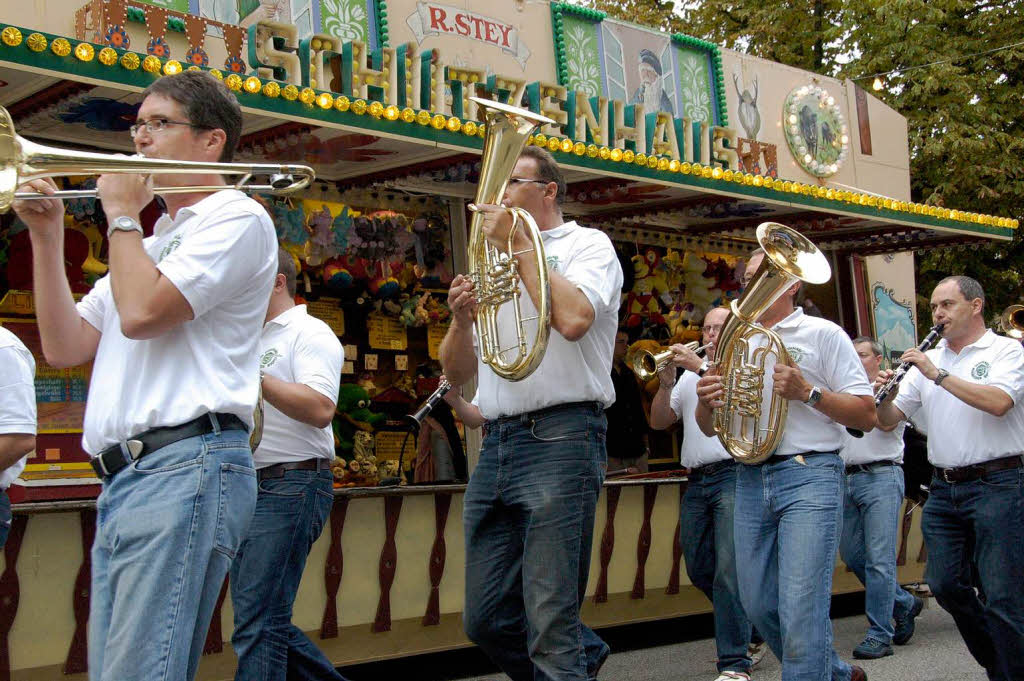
x=787, y=531
x=5, y=517
x=167, y=528
x=706, y=536
x=290, y=515
x=977, y=528
x=528, y=515
x=871, y=530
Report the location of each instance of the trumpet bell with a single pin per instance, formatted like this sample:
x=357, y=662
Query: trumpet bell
x=1011, y=322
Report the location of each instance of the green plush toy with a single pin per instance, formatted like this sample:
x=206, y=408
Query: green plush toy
x=353, y=414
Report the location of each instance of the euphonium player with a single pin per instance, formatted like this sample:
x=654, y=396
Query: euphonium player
x=789, y=508
x=174, y=334
x=529, y=507
x=969, y=388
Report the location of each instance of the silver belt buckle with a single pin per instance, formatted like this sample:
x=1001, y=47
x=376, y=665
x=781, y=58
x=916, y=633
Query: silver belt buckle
x=945, y=475
x=134, y=448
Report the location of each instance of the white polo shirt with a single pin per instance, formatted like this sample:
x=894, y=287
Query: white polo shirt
x=221, y=254
x=570, y=371
x=826, y=358
x=697, y=449
x=876, y=445
x=298, y=348
x=959, y=434
x=17, y=396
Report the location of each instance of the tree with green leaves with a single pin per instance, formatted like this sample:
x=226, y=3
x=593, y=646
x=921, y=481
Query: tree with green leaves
x=954, y=69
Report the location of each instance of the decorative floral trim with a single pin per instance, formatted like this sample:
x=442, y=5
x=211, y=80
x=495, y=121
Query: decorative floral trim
x=117, y=37
x=158, y=47
x=197, y=57
x=558, y=10
x=716, y=70
x=380, y=12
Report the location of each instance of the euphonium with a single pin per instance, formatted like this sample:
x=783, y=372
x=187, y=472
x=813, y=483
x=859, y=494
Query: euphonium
x=748, y=434
x=1011, y=322
x=647, y=364
x=495, y=271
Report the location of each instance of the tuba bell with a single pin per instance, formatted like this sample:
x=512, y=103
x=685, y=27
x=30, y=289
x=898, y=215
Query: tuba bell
x=748, y=433
x=494, y=271
x=1011, y=322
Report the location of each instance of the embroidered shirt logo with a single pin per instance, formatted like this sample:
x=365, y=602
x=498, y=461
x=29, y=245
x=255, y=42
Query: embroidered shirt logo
x=269, y=357
x=552, y=261
x=796, y=354
x=171, y=247
x=980, y=370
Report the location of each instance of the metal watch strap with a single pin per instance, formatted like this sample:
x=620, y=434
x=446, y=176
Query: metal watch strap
x=940, y=377
x=703, y=369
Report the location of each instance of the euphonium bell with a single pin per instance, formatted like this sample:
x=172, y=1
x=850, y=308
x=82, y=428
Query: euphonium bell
x=748, y=433
x=1011, y=322
x=495, y=271
x=647, y=364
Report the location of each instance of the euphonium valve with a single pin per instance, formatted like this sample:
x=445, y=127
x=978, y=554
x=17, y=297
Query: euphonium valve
x=494, y=271
x=748, y=429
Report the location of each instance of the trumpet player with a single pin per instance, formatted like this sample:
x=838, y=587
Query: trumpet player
x=969, y=388
x=529, y=507
x=706, y=534
x=173, y=332
x=789, y=507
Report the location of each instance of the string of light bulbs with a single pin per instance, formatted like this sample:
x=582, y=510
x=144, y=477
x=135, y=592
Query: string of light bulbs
x=878, y=83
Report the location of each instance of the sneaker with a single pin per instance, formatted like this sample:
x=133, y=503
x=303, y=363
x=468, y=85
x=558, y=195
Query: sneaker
x=905, y=624
x=756, y=651
x=732, y=676
x=870, y=649
x=858, y=674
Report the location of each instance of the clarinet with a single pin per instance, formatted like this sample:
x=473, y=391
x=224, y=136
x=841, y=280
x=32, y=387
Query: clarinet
x=931, y=339
x=416, y=420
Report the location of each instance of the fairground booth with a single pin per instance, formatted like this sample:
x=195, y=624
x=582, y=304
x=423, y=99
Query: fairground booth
x=674, y=147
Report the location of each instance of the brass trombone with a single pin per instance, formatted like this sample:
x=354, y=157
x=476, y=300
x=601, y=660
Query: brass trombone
x=22, y=160
x=1011, y=322
x=647, y=364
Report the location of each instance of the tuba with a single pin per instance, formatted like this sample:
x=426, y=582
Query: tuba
x=748, y=433
x=494, y=271
x=1011, y=322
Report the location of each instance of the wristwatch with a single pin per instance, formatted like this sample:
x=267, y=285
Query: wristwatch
x=124, y=224
x=814, y=397
x=703, y=368
x=939, y=377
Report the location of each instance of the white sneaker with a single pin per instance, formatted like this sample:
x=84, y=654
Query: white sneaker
x=733, y=676
x=756, y=652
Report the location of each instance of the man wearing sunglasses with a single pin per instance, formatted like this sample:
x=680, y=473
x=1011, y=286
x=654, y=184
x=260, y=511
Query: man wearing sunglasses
x=529, y=508
x=173, y=333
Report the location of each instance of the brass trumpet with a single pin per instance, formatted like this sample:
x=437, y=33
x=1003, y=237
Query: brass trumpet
x=647, y=364
x=747, y=433
x=1011, y=322
x=22, y=160
x=494, y=271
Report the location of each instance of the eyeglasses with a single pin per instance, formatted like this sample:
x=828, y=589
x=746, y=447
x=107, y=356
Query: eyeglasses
x=523, y=180
x=711, y=329
x=158, y=124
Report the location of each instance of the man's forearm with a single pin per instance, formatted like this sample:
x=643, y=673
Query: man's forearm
x=888, y=414
x=13, y=446
x=662, y=415
x=458, y=362
x=986, y=398
x=853, y=411
x=571, y=311
x=60, y=325
x=705, y=420
x=298, y=401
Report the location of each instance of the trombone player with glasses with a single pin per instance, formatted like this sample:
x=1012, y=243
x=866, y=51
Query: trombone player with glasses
x=789, y=504
x=173, y=333
x=529, y=507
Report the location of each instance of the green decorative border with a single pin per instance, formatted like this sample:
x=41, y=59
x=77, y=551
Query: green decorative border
x=715, y=54
x=558, y=9
x=138, y=15
x=380, y=15
x=271, y=97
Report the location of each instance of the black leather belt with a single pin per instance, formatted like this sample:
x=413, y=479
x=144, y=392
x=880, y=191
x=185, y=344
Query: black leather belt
x=867, y=467
x=711, y=469
x=544, y=411
x=779, y=458
x=279, y=469
x=113, y=459
x=979, y=470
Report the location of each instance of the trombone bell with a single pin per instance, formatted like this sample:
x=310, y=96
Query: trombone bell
x=1011, y=322
x=22, y=160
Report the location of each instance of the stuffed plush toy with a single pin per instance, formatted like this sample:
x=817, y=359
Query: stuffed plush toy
x=352, y=415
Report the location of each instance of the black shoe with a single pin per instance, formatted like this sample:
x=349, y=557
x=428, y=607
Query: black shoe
x=858, y=674
x=870, y=649
x=905, y=625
